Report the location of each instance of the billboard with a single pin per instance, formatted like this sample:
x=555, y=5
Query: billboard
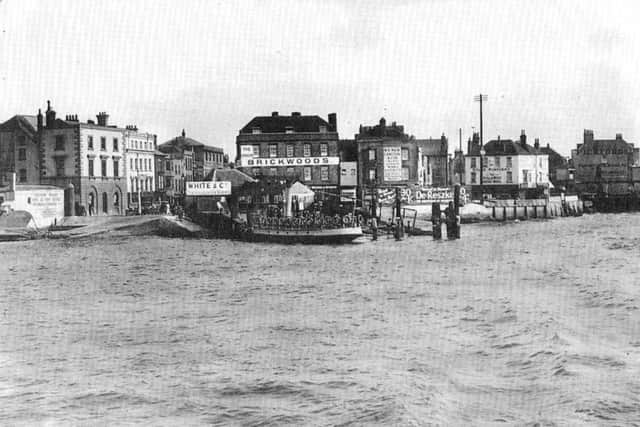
x=392, y=163
x=288, y=161
x=208, y=188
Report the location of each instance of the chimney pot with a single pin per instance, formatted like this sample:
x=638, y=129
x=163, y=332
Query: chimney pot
x=296, y=114
x=274, y=114
x=618, y=136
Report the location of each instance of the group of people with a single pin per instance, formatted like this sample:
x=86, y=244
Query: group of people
x=449, y=218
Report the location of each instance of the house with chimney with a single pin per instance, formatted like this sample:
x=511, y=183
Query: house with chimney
x=187, y=160
x=605, y=166
x=389, y=158
x=291, y=148
x=89, y=155
x=20, y=150
x=140, y=148
x=504, y=168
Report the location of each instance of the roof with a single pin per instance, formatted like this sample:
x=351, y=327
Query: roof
x=434, y=147
x=606, y=145
x=551, y=153
x=27, y=123
x=381, y=130
x=501, y=147
x=235, y=176
x=279, y=124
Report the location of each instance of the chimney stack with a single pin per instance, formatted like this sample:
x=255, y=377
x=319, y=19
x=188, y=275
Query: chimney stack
x=103, y=119
x=39, y=120
x=296, y=114
x=618, y=136
x=588, y=135
x=333, y=122
x=50, y=115
x=274, y=114
x=536, y=144
x=523, y=138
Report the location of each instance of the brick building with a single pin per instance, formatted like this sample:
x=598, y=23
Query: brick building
x=388, y=157
x=20, y=150
x=187, y=160
x=604, y=165
x=295, y=147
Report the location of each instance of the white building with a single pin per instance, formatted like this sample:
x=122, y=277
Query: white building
x=140, y=169
x=509, y=169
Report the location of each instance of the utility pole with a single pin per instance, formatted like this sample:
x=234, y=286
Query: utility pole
x=480, y=98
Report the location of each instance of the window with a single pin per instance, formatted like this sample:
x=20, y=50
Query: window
x=509, y=164
x=273, y=171
x=323, y=129
x=289, y=171
x=307, y=174
x=307, y=150
x=59, y=143
x=22, y=173
x=115, y=144
x=116, y=165
x=103, y=143
x=372, y=174
x=90, y=142
x=405, y=154
x=60, y=166
x=22, y=154
x=324, y=173
x=22, y=140
x=525, y=174
x=273, y=150
x=104, y=167
x=136, y=164
x=167, y=165
x=497, y=161
x=131, y=166
x=324, y=149
x=473, y=177
x=473, y=162
x=405, y=174
x=509, y=177
x=90, y=164
x=372, y=154
x=256, y=151
x=290, y=150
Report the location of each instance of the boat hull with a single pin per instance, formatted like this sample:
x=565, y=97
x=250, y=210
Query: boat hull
x=327, y=236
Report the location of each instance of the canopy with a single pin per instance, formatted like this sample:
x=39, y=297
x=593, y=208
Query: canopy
x=302, y=194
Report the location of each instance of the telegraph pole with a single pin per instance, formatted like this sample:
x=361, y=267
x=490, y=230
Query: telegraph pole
x=480, y=98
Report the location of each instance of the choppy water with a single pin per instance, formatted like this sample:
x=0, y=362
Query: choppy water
x=536, y=323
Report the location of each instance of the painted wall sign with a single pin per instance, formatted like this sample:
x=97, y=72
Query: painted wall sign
x=392, y=163
x=246, y=151
x=208, y=188
x=288, y=161
x=419, y=196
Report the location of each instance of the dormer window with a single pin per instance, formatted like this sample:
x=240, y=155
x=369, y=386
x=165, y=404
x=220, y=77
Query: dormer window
x=256, y=130
x=288, y=129
x=323, y=129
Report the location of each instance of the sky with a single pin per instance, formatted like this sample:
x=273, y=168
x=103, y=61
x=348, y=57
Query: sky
x=553, y=68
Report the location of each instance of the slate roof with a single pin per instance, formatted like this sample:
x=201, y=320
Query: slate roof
x=606, y=145
x=502, y=147
x=27, y=123
x=279, y=124
x=178, y=144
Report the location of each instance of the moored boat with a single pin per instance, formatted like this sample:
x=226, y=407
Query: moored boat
x=310, y=236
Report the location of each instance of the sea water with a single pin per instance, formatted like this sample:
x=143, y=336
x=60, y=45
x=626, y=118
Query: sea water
x=535, y=323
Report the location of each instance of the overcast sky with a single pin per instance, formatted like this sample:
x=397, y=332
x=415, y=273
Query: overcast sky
x=550, y=67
